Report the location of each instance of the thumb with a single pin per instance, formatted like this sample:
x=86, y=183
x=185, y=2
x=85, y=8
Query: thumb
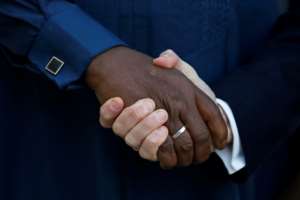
x=110, y=110
x=213, y=117
x=167, y=59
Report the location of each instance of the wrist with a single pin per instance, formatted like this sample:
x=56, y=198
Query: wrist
x=91, y=75
x=101, y=66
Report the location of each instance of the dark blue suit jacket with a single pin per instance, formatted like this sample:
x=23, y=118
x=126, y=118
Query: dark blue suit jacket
x=53, y=147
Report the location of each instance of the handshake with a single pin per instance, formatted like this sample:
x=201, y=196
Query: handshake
x=160, y=107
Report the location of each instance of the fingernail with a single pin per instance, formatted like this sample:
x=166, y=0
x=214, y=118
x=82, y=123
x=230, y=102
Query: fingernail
x=166, y=53
x=149, y=104
x=115, y=105
x=146, y=105
x=159, y=134
x=162, y=115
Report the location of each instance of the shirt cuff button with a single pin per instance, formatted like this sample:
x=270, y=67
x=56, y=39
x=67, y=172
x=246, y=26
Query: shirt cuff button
x=54, y=65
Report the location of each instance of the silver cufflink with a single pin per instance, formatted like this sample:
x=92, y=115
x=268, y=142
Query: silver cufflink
x=54, y=65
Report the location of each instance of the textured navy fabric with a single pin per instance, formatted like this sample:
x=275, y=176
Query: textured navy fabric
x=203, y=32
x=53, y=147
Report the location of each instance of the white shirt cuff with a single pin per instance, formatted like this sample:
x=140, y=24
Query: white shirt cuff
x=233, y=155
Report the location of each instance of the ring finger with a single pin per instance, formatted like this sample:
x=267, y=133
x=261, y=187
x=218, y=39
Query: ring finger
x=183, y=143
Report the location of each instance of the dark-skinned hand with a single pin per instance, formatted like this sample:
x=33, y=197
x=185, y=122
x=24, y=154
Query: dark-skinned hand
x=131, y=75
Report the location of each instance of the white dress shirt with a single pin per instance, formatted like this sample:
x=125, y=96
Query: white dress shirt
x=232, y=156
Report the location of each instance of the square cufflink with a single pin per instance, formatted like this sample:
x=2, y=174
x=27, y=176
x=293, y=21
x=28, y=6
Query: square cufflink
x=54, y=65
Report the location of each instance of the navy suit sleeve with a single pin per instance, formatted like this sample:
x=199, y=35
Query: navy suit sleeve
x=41, y=29
x=264, y=94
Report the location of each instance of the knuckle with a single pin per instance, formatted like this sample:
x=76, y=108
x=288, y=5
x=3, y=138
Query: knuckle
x=117, y=127
x=148, y=125
x=221, y=146
x=143, y=154
x=106, y=112
x=134, y=113
x=105, y=118
x=103, y=110
x=155, y=120
x=131, y=141
x=153, y=143
x=204, y=154
x=202, y=138
x=180, y=105
x=150, y=102
x=203, y=158
x=128, y=140
x=166, y=147
x=222, y=142
x=167, y=161
x=147, y=155
x=104, y=115
x=185, y=163
x=167, y=165
x=223, y=133
x=175, y=105
x=220, y=137
x=187, y=147
x=214, y=112
x=102, y=123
